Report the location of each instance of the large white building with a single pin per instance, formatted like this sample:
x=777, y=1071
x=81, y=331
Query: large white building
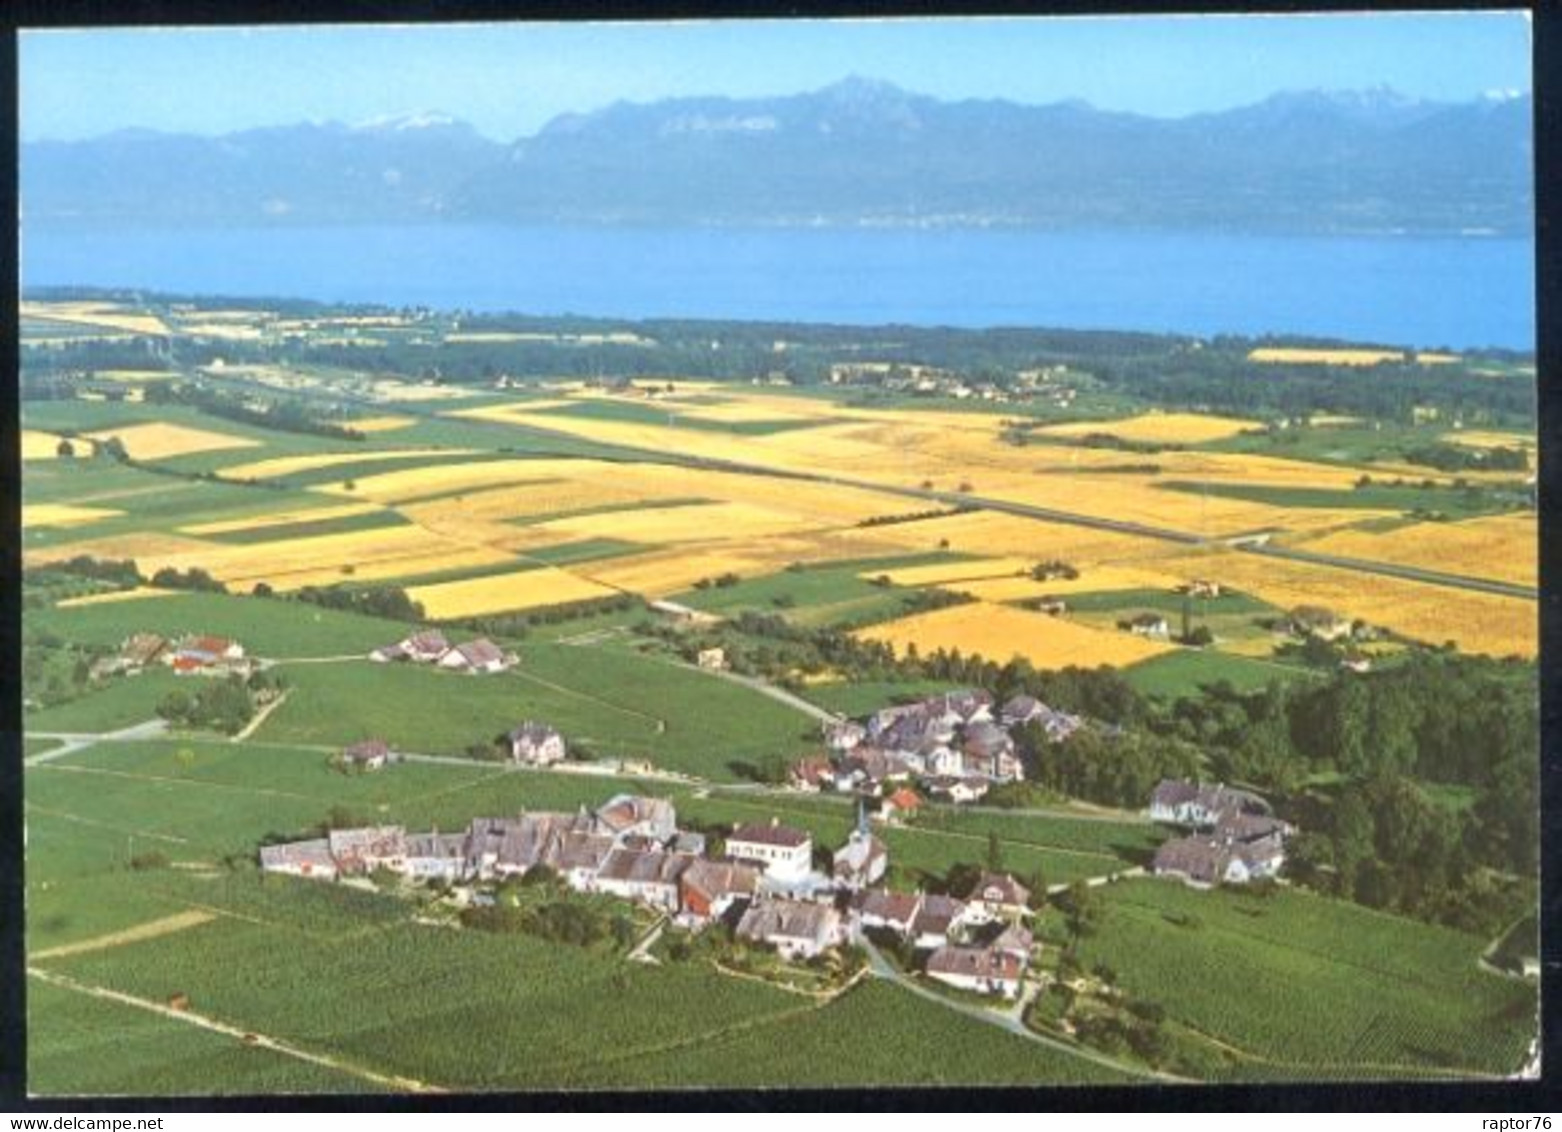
x=786, y=854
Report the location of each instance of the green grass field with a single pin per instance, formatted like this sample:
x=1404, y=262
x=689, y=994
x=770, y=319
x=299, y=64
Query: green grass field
x=1303, y=980
x=618, y=704
x=858, y=699
x=1183, y=671
x=121, y=702
x=1376, y=498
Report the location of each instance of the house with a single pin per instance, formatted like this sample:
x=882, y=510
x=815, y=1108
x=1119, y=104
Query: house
x=989, y=751
x=1014, y=940
x=140, y=650
x=998, y=896
x=785, y=854
x=980, y=969
x=650, y=878
x=936, y=919
x=708, y=889
x=424, y=647
x=1052, y=606
x=300, y=859
x=358, y=851
x=685, y=613
x=1316, y=621
x=842, y=736
x=371, y=754
x=1204, y=861
x=891, y=911
x=436, y=856
x=633, y=815
x=1151, y=625
x=900, y=805
x=957, y=790
x=1198, y=805
x=577, y=857
x=475, y=657
x=868, y=766
x=1202, y=587
x=1356, y=662
x=863, y=859
x=797, y=929
x=961, y=707
x=714, y=659
x=813, y=773
x=535, y=744
x=205, y=655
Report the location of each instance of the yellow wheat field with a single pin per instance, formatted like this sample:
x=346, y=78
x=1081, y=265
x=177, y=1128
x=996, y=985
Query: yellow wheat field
x=279, y=519
x=1094, y=579
x=288, y=465
x=665, y=572
x=157, y=440
x=1430, y=359
x=1476, y=622
x=504, y=593
x=1162, y=428
x=1035, y=540
x=63, y=514
x=1480, y=438
x=943, y=573
x=1504, y=548
x=113, y=596
x=1297, y=355
x=691, y=523
x=436, y=479
x=381, y=424
x=97, y=314
x=1001, y=632
x=46, y=445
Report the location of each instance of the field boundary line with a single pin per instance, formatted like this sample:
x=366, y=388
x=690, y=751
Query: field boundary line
x=65, y=815
x=152, y=929
x=259, y=718
x=263, y=790
x=276, y=1045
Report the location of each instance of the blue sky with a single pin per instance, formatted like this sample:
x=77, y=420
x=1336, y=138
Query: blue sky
x=509, y=79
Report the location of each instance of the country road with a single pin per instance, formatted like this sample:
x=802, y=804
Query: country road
x=74, y=741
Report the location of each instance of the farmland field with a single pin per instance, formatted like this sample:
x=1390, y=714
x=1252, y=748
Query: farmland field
x=1381, y=993
x=546, y=507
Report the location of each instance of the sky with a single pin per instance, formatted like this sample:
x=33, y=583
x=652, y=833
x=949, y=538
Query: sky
x=508, y=80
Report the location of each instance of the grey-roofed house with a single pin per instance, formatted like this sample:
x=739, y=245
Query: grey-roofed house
x=436, y=856
x=635, y=814
x=797, y=929
x=367, y=849
x=300, y=858
x=650, y=878
x=535, y=744
x=477, y=656
x=881, y=908
x=978, y=969
x=998, y=896
x=370, y=754
x=936, y=919
x=785, y=853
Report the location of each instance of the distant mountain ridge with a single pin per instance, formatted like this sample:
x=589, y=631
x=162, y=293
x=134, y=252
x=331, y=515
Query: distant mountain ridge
x=858, y=153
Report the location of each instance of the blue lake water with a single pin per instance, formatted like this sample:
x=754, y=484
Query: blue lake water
x=1414, y=291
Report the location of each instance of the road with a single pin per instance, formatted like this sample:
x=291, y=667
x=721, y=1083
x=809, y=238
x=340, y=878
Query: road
x=73, y=741
x=1007, y=1020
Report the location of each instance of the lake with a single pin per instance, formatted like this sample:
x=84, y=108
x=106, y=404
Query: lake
x=1459, y=292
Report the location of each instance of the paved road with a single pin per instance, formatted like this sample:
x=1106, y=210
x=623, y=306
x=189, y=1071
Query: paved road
x=74, y=741
x=883, y=969
x=780, y=695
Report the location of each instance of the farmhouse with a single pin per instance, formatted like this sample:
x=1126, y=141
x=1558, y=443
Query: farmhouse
x=980, y=969
x=797, y=929
x=1243, y=841
x=300, y=859
x=436, y=856
x=205, y=655
x=1021, y=710
x=842, y=736
x=1198, y=805
x=1316, y=621
x=371, y=754
x=1151, y=625
x=998, y=896
x=1201, y=587
x=785, y=854
x=957, y=790
x=989, y=752
x=708, y=889
x=938, y=919
x=714, y=659
x=633, y=815
x=424, y=647
x=651, y=878
x=475, y=657
x=358, y=851
x=813, y=773
x=892, y=911
x=140, y=650
x=535, y=744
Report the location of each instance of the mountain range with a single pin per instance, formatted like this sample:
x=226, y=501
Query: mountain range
x=858, y=153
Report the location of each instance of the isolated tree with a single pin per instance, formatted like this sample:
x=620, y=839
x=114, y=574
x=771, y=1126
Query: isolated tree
x=65, y=449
